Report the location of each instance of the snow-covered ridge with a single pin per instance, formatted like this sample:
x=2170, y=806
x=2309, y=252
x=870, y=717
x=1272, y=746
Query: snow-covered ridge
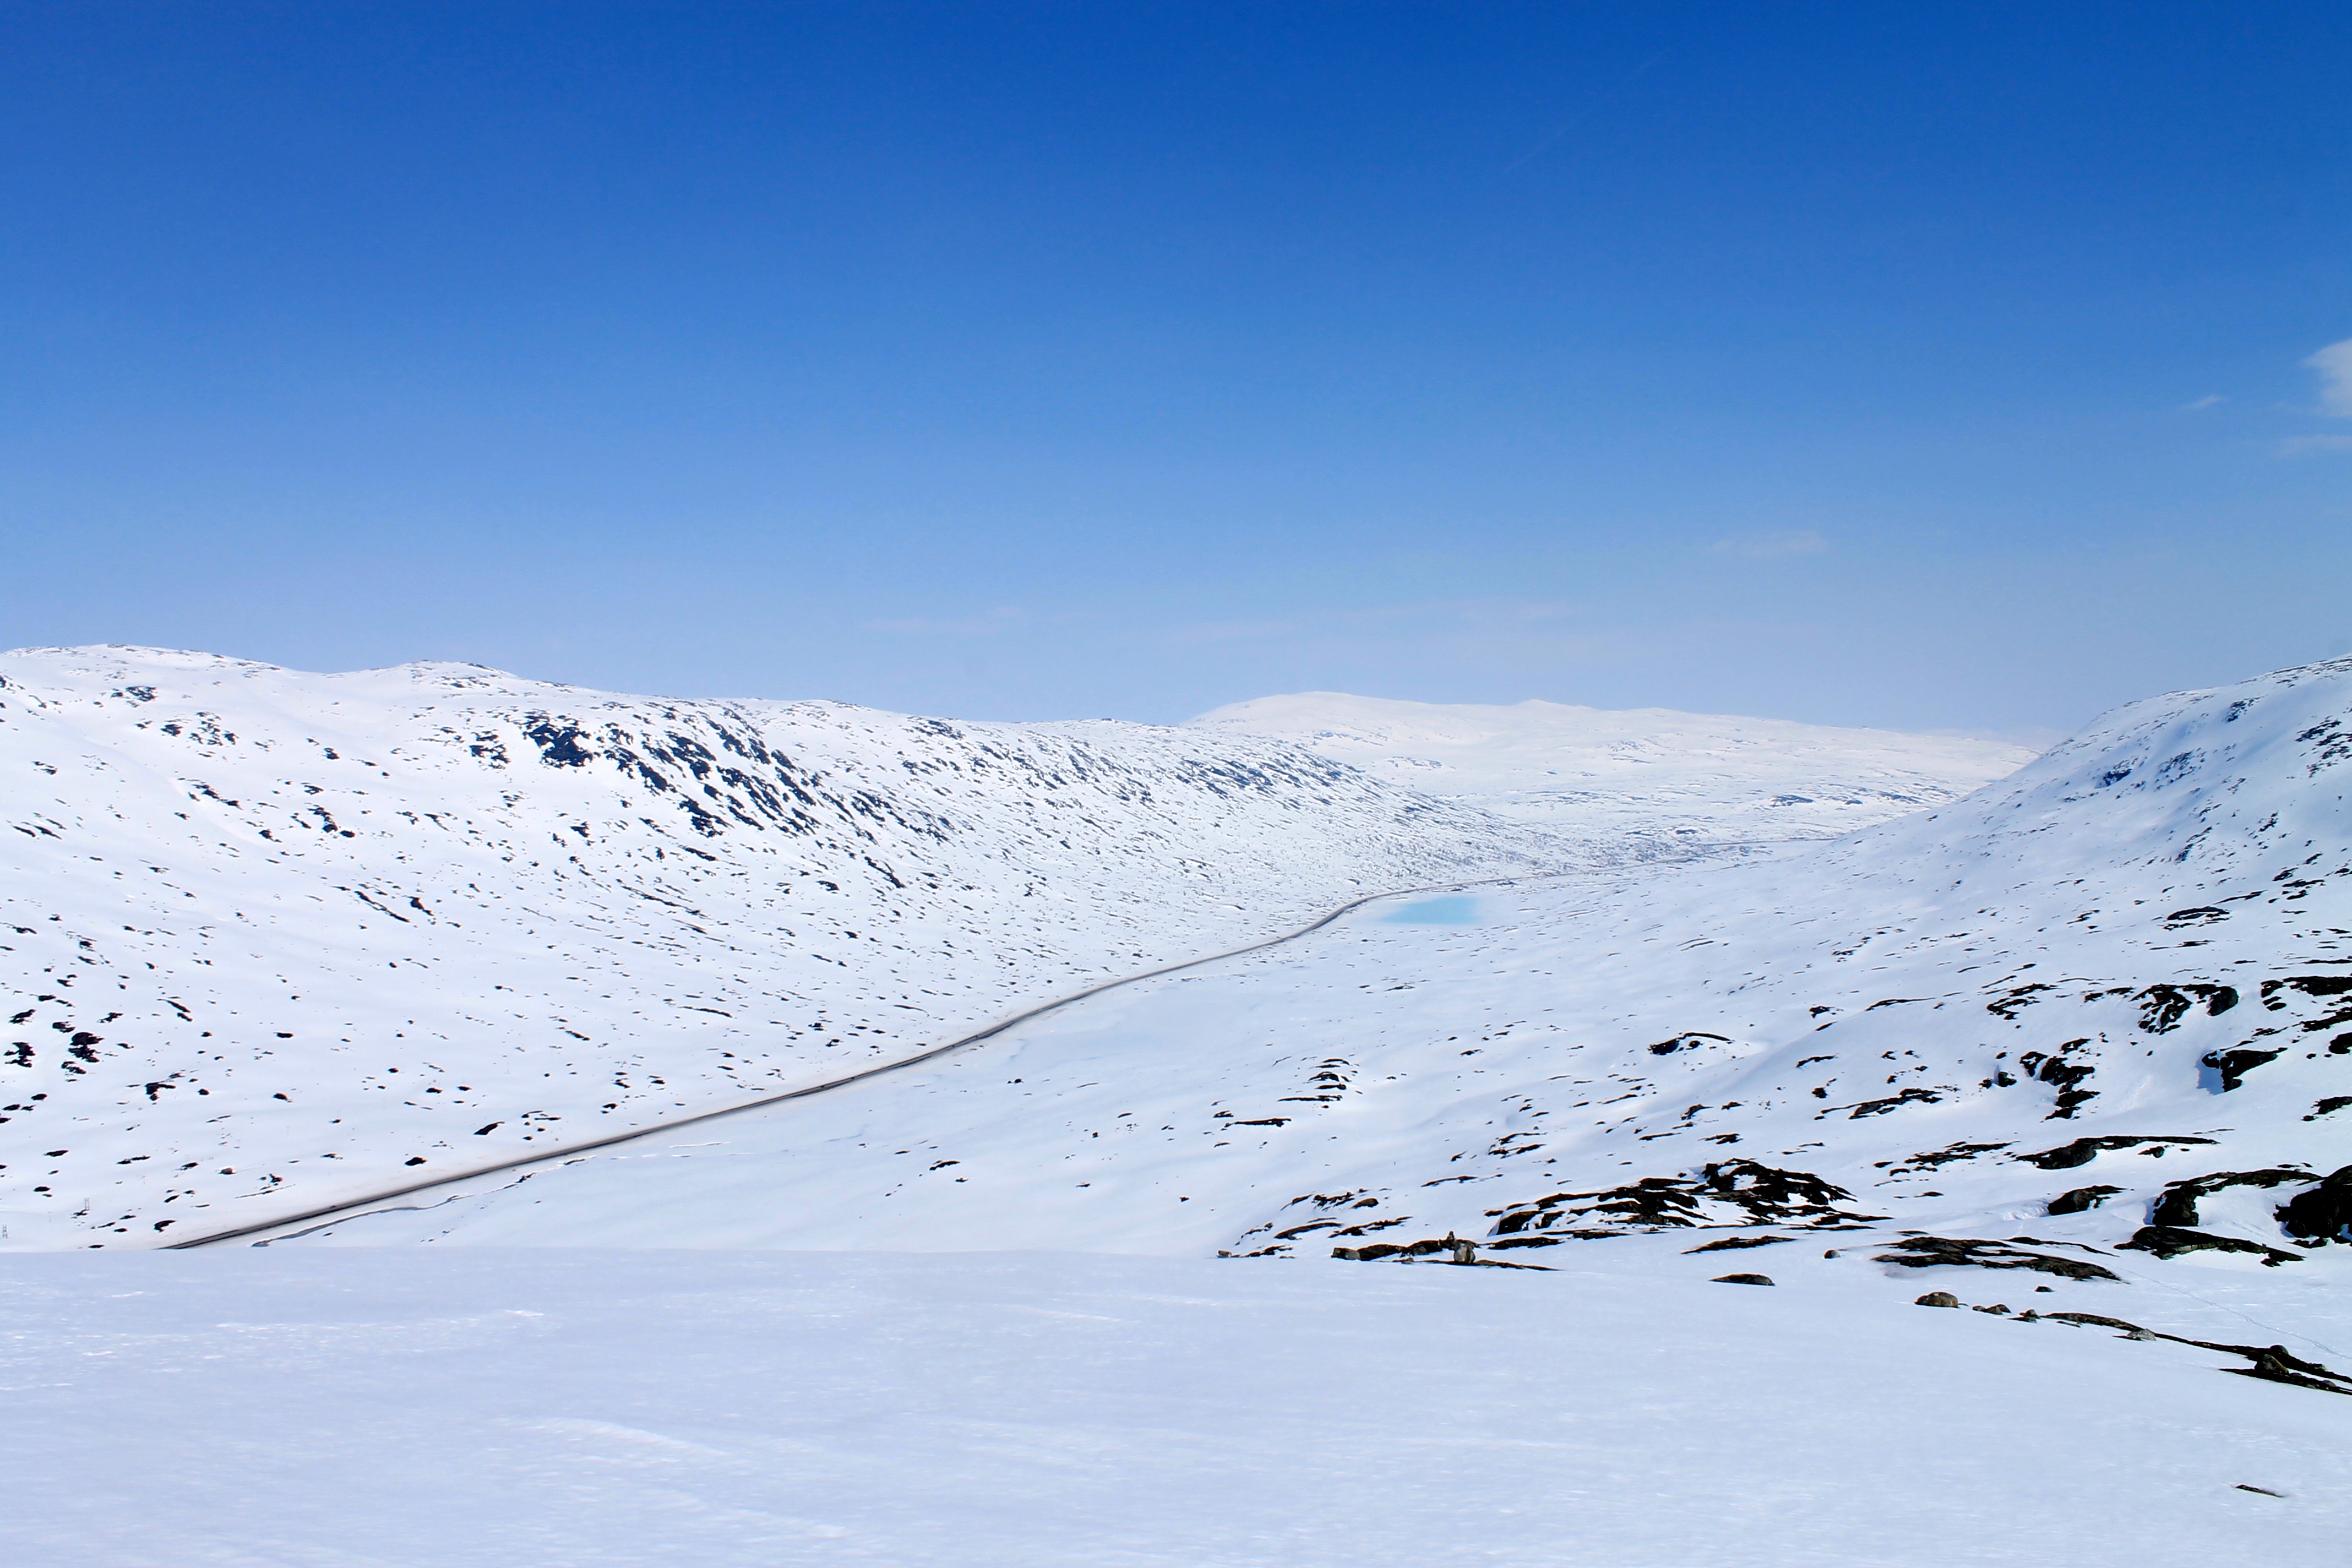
x=2092, y=1024
x=1701, y=776
x=266, y=936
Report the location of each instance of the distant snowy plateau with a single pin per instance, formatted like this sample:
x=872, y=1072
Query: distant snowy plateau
x=1621, y=1011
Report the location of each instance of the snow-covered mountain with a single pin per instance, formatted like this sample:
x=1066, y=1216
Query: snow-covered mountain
x=1698, y=777
x=276, y=937
x=267, y=937
x=2077, y=1042
x=2092, y=1023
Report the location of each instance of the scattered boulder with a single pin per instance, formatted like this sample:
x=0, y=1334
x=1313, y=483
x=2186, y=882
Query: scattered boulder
x=1938, y=1298
x=1741, y=1279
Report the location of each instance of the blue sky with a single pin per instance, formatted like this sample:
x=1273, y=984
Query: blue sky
x=1931, y=367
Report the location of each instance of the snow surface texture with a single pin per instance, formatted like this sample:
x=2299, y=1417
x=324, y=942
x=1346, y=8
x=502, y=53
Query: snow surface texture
x=1700, y=777
x=2091, y=1027
x=269, y=938
x=445, y=1409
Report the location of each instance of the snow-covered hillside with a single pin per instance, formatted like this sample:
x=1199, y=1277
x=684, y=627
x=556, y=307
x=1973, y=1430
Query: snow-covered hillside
x=2092, y=1025
x=269, y=937
x=1696, y=777
x=274, y=937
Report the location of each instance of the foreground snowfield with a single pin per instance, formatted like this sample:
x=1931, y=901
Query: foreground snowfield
x=419, y=1408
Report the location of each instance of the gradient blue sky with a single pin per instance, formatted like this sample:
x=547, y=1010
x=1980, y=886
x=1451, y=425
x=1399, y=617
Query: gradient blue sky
x=1928, y=367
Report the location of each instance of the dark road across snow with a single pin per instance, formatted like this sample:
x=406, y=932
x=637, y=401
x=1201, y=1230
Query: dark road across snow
x=347, y=1207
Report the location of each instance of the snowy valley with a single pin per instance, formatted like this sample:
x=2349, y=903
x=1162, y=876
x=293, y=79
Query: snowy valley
x=273, y=939
x=2105, y=1000
x=2071, y=1046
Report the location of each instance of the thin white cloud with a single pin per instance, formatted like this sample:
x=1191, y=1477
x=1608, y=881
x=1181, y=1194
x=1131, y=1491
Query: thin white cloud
x=2303, y=445
x=1767, y=546
x=2208, y=401
x=2334, y=364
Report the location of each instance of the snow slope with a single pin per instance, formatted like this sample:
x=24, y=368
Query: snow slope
x=2090, y=1028
x=1697, y=777
x=416, y=1408
x=267, y=938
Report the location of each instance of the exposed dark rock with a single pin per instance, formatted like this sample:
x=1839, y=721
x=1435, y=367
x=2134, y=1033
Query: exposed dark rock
x=1938, y=1298
x=1685, y=1043
x=1741, y=1279
x=2057, y=1068
x=2323, y=1213
x=1766, y=1196
x=2172, y=1241
x=1932, y=1251
x=1881, y=1107
x=2272, y=1364
x=2176, y=1209
x=1941, y=1157
x=2163, y=1006
x=1456, y=1251
x=1380, y=1249
x=2083, y=1151
x=1731, y=1243
x=2309, y=985
x=2081, y=1199
x=2233, y=1065
x=2095, y=1317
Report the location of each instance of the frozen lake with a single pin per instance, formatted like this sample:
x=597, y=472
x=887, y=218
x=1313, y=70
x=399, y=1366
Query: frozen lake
x=1451, y=910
